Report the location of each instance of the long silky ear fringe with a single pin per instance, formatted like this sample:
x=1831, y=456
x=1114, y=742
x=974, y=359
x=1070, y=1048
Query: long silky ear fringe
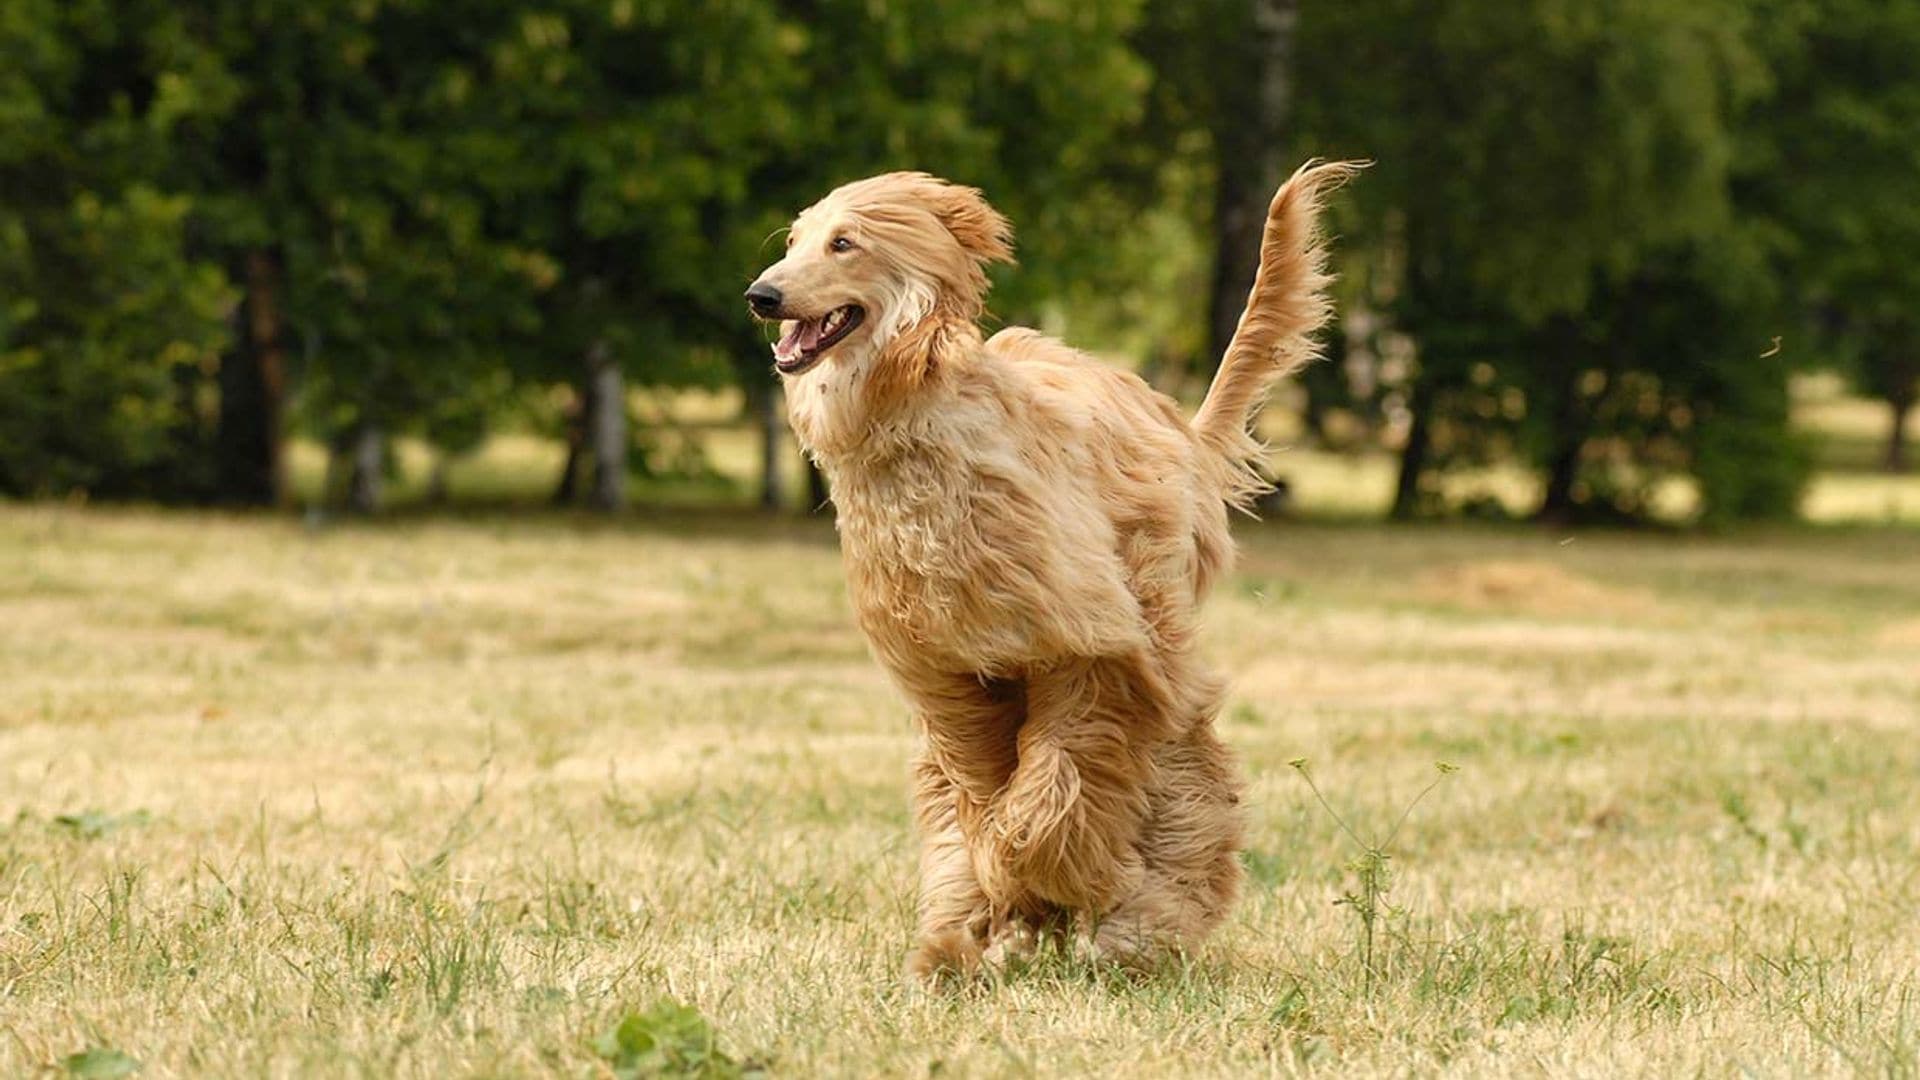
x=982, y=231
x=1286, y=307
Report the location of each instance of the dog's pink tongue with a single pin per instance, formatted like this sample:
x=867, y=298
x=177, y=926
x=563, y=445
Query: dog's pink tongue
x=802, y=336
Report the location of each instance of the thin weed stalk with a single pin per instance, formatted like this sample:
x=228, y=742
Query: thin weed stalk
x=1371, y=866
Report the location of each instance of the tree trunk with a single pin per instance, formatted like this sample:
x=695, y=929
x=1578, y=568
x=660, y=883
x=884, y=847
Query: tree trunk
x=606, y=434
x=333, y=484
x=368, y=469
x=1901, y=405
x=1413, y=456
x=438, y=493
x=1563, y=468
x=773, y=494
x=250, y=466
x=1251, y=162
x=1569, y=434
x=568, y=488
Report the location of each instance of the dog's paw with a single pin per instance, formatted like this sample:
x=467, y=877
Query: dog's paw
x=944, y=959
x=1012, y=944
x=1122, y=945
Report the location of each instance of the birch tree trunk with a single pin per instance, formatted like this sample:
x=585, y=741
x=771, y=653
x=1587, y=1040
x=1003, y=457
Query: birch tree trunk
x=364, y=482
x=606, y=422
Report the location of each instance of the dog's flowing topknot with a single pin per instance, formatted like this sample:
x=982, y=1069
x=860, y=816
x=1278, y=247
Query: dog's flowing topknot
x=911, y=213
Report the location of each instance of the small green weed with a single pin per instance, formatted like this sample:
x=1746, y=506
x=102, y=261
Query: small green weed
x=100, y=1063
x=94, y=824
x=1370, y=867
x=669, y=1040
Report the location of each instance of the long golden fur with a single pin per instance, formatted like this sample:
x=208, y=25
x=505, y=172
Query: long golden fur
x=1028, y=535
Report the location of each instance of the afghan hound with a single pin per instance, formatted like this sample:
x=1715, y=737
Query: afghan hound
x=1028, y=536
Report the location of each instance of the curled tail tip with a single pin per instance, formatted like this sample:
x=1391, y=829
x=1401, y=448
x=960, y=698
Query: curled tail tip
x=1332, y=172
x=1316, y=179
x=1287, y=305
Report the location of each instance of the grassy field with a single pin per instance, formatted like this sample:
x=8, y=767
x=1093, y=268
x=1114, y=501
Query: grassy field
x=449, y=798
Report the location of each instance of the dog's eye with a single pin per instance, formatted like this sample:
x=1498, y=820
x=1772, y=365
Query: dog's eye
x=841, y=244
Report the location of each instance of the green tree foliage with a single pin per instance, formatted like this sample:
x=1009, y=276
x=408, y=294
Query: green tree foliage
x=106, y=321
x=665, y=144
x=1546, y=169
x=97, y=378
x=357, y=219
x=1835, y=162
x=330, y=153
x=422, y=208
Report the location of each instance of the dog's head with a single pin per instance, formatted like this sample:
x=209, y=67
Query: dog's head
x=872, y=260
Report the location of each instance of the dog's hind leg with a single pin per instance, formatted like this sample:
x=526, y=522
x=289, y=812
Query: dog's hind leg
x=1067, y=825
x=1190, y=849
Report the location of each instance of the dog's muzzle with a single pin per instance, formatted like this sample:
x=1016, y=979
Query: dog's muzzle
x=764, y=299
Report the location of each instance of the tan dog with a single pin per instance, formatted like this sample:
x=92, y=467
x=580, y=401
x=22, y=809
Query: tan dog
x=1028, y=534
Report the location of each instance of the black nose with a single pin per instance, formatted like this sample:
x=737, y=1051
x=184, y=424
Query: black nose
x=763, y=298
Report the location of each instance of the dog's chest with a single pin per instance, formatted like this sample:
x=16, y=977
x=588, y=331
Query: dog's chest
x=916, y=559
x=904, y=524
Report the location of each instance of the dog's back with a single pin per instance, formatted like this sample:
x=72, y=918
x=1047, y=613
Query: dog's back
x=1141, y=459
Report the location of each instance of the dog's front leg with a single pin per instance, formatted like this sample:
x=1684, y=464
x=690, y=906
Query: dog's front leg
x=969, y=726
x=955, y=914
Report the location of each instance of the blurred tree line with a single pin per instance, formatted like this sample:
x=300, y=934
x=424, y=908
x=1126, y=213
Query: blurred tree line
x=228, y=222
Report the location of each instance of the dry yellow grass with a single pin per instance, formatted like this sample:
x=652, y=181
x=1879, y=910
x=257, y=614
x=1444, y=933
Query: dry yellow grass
x=433, y=799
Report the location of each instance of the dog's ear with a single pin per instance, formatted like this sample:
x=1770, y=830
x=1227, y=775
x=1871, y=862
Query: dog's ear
x=981, y=230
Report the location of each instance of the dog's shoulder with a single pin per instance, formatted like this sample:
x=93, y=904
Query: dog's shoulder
x=1010, y=337
x=1055, y=369
x=1047, y=361
x=1023, y=343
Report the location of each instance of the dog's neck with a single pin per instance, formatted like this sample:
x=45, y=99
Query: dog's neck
x=863, y=401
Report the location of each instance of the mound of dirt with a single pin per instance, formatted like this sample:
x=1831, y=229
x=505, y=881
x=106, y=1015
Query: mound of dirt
x=1531, y=587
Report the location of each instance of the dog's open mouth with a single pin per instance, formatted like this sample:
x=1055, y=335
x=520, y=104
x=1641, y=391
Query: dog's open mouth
x=804, y=342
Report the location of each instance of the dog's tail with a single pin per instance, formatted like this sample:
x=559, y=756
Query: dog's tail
x=1287, y=306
